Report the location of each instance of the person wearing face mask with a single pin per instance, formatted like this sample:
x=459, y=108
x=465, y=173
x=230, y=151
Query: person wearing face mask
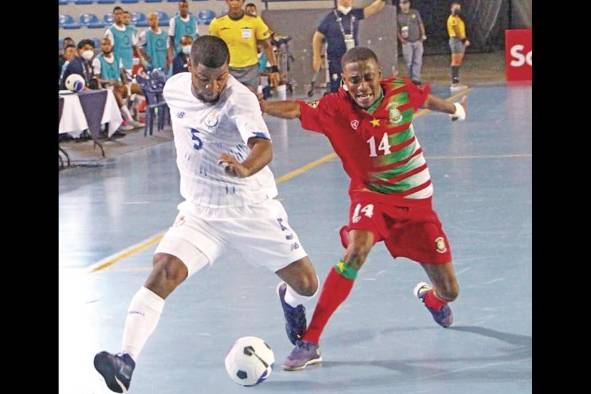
x=81, y=64
x=456, y=28
x=183, y=24
x=340, y=30
x=369, y=122
x=180, y=63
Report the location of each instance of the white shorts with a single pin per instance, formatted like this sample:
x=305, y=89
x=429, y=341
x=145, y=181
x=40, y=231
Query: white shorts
x=260, y=233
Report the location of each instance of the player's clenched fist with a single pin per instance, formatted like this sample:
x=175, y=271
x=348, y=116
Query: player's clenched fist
x=233, y=166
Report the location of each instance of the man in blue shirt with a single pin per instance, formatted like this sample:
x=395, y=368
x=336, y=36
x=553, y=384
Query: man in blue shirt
x=181, y=25
x=180, y=62
x=81, y=64
x=340, y=29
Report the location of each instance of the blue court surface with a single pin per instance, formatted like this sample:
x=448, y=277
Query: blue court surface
x=382, y=339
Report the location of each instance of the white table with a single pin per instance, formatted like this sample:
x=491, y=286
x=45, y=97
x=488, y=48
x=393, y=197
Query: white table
x=73, y=120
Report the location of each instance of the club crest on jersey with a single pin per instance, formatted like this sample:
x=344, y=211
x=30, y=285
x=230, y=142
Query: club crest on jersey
x=354, y=124
x=313, y=104
x=440, y=245
x=180, y=114
x=211, y=120
x=394, y=115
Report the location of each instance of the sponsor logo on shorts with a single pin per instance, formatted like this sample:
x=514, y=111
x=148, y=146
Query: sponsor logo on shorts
x=295, y=246
x=180, y=115
x=440, y=245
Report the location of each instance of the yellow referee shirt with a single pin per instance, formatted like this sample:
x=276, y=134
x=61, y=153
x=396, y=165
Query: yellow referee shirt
x=241, y=37
x=456, y=27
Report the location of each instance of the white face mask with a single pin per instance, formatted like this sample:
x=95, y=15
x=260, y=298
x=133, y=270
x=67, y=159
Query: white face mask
x=87, y=54
x=344, y=10
x=187, y=49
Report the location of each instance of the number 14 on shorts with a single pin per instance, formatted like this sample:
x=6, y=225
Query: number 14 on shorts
x=367, y=210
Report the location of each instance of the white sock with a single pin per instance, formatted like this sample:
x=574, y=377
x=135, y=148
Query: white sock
x=142, y=317
x=125, y=112
x=294, y=299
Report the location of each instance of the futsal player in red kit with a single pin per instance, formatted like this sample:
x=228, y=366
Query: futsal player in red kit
x=369, y=124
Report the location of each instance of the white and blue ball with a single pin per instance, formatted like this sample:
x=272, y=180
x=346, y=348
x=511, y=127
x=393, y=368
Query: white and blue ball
x=75, y=82
x=250, y=361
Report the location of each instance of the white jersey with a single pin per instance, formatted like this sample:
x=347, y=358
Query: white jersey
x=203, y=131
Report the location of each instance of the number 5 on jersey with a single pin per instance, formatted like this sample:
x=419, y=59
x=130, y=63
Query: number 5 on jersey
x=366, y=210
x=198, y=142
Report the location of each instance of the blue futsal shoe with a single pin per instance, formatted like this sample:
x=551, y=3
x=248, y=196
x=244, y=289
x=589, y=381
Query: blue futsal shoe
x=303, y=354
x=295, y=318
x=444, y=317
x=116, y=369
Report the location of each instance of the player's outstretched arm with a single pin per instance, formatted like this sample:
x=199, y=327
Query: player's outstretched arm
x=281, y=109
x=456, y=111
x=261, y=153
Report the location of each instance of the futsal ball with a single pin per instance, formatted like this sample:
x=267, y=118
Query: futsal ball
x=75, y=82
x=250, y=361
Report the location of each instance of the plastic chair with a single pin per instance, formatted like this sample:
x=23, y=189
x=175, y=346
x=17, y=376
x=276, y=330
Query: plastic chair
x=83, y=2
x=204, y=17
x=108, y=19
x=106, y=1
x=138, y=17
x=156, y=106
x=67, y=22
x=163, y=19
x=91, y=21
x=129, y=1
x=64, y=2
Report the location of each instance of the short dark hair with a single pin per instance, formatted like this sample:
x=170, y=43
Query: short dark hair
x=84, y=42
x=126, y=12
x=117, y=9
x=250, y=5
x=358, y=54
x=210, y=51
x=70, y=46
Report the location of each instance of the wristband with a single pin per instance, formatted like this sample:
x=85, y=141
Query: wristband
x=460, y=113
x=274, y=69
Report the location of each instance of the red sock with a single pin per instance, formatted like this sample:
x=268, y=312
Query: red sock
x=335, y=290
x=434, y=302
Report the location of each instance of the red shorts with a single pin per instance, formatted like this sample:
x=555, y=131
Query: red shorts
x=414, y=232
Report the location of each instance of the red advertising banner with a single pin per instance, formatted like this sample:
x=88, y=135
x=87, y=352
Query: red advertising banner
x=518, y=50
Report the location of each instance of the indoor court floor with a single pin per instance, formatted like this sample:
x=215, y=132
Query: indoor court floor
x=382, y=339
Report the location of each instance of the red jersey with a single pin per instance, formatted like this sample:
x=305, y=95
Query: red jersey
x=378, y=150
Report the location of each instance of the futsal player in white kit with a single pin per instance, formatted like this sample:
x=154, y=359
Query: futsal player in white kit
x=223, y=147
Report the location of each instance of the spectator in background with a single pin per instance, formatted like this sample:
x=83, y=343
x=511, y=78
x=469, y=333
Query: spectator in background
x=180, y=62
x=181, y=25
x=243, y=33
x=456, y=28
x=123, y=38
x=108, y=70
x=69, y=53
x=250, y=9
x=81, y=64
x=411, y=33
x=340, y=29
x=154, y=41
